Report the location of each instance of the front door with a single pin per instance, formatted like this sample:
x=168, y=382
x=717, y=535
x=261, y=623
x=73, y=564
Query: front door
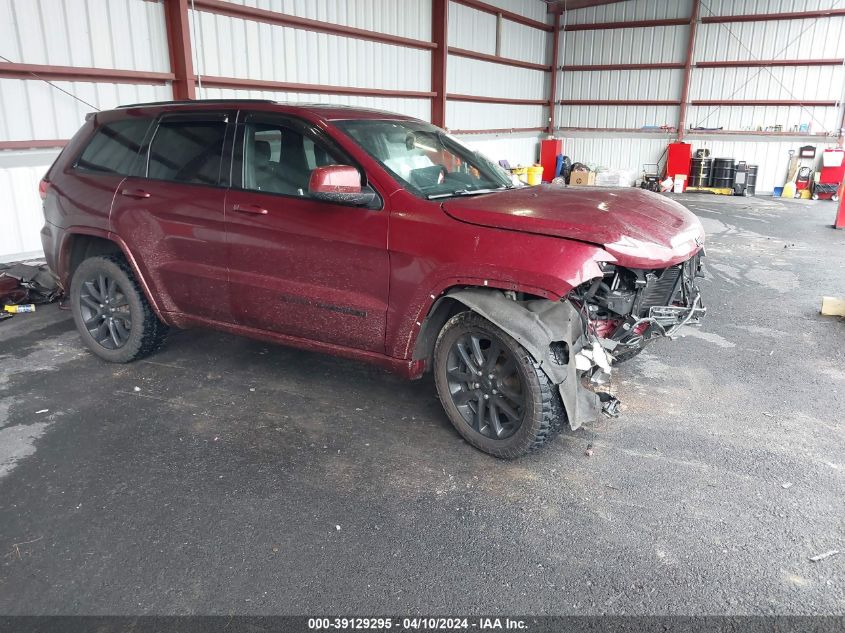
x=299, y=266
x=171, y=214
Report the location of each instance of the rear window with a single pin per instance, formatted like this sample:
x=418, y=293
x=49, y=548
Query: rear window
x=114, y=147
x=187, y=151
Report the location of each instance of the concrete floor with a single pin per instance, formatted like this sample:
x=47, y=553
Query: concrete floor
x=227, y=476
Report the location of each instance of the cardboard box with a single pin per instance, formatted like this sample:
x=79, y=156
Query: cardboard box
x=680, y=183
x=582, y=178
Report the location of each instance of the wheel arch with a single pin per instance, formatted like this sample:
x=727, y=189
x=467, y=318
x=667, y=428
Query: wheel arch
x=81, y=244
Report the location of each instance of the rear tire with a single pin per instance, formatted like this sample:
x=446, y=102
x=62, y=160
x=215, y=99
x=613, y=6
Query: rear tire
x=114, y=318
x=522, y=409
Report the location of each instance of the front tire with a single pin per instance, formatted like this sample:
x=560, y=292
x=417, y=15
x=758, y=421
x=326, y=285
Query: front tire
x=113, y=316
x=491, y=389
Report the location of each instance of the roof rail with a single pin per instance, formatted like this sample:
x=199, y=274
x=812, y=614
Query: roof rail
x=194, y=102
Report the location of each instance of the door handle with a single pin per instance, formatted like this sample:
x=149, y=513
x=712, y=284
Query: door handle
x=135, y=193
x=250, y=208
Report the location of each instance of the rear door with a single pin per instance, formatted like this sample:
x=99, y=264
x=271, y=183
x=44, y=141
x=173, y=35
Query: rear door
x=300, y=266
x=171, y=213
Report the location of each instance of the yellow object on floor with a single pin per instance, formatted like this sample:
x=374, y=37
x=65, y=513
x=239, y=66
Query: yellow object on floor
x=833, y=306
x=788, y=190
x=535, y=174
x=805, y=194
x=24, y=307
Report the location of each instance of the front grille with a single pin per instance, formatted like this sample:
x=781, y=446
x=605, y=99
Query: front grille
x=659, y=292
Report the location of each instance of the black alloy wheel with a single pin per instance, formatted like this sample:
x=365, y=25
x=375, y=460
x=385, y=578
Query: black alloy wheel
x=485, y=385
x=105, y=311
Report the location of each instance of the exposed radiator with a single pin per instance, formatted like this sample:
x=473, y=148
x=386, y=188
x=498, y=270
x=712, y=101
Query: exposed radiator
x=659, y=292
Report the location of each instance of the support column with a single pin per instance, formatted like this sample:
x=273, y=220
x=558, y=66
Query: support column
x=553, y=77
x=439, y=57
x=693, y=26
x=179, y=43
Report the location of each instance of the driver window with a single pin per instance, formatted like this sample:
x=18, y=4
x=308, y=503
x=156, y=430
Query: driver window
x=278, y=159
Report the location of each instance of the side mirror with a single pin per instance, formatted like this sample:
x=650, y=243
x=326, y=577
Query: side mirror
x=339, y=184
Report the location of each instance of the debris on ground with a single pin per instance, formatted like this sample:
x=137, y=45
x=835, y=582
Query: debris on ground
x=786, y=484
x=24, y=285
x=819, y=557
x=589, y=451
x=833, y=306
x=42, y=411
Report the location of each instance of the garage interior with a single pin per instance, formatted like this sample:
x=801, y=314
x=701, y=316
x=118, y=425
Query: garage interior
x=229, y=476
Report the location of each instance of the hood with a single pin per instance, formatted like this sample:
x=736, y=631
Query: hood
x=639, y=228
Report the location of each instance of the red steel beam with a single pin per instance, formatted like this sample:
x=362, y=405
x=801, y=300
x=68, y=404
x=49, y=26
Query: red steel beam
x=262, y=84
x=37, y=144
x=439, y=59
x=508, y=15
x=682, y=112
x=763, y=102
x=839, y=222
x=595, y=67
x=553, y=77
x=500, y=100
x=497, y=59
x=179, y=45
x=631, y=24
x=618, y=129
x=283, y=19
x=765, y=17
x=619, y=102
x=79, y=73
x=504, y=130
x=754, y=63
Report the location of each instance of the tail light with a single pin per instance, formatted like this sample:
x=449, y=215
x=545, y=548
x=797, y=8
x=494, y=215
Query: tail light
x=43, y=187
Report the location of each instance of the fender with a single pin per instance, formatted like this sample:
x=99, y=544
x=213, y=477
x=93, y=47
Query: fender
x=64, y=259
x=536, y=325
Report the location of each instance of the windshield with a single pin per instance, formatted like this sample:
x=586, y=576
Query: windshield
x=429, y=162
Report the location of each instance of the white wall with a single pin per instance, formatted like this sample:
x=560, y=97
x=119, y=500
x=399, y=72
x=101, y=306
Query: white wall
x=780, y=39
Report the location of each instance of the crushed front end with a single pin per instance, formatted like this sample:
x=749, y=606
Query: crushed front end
x=627, y=308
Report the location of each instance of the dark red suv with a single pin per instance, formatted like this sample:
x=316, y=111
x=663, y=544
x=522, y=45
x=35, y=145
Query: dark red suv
x=372, y=236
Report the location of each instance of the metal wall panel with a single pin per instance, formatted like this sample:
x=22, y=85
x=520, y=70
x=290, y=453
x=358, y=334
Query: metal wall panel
x=517, y=150
x=464, y=115
x=419, y=108
x=475, y=77
x=125, y=34
x=471, y=29
x=631, y=10
x=33, y=109
x=280, y=53
x=617, y=116
x=811, y=38
x=406, y=18
x=20, y=229
x=526, y=43
x=528, y=8
x=625, y=46
x=622, y=84
x=614, y=153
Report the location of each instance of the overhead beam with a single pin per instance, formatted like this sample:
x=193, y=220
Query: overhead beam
x=507, y=15
x=693, y=25
x=283, y=19
x=34, y=144
x=764, y=102
x=262, y=84
x=179, y=47
x=497, y=59
x=80, y=73
x=630, y=24
x=766, y=17
x=500, y=100
x=620, y=102
x=600, y=67
x=755, y=63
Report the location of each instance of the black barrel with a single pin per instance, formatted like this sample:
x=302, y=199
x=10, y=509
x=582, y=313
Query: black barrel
x=700, y=172
x=723, y=173
x=751, y=180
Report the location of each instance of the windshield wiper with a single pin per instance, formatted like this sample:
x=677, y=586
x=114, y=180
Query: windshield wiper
x=465, y=192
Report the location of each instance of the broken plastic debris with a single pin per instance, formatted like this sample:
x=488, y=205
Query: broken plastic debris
x=819, y=557
x=337, y=527
x=43, y=411
x=136, y=389
x=786, y=484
